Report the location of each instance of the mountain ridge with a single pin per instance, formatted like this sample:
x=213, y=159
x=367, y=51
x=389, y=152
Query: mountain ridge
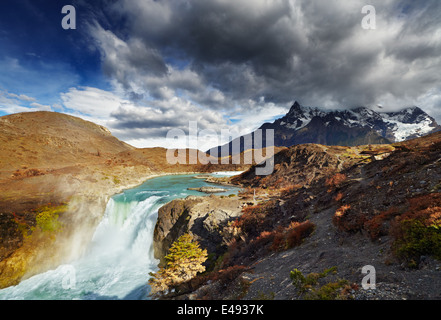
x=346, y=127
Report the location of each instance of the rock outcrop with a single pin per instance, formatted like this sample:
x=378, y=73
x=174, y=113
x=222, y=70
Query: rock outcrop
x=305, y=164
x=202, y=217
x=208, y=190
x=382, y=211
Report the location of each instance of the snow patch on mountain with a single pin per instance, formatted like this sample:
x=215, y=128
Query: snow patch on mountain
x=402, y=131
x=398, y=126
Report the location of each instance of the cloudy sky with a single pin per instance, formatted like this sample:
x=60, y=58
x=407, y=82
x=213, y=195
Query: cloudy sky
x=143, y=67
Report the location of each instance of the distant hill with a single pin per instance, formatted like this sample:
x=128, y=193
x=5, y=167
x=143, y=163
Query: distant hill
x=49, y=141
x=301, y=165
x=53, y=140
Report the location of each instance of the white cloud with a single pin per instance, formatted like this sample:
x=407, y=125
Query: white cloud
x=22, y=97
x=41, y=107
x=92, y=102
x=255, y=114
x=140, y=124
x=432, y=102
x=16, y=103
x=171, y=99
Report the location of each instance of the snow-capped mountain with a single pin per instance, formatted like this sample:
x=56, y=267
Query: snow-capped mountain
x=356, y=126
x=393, y=126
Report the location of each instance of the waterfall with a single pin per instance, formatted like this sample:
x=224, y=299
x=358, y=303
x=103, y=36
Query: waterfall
x=117, y=262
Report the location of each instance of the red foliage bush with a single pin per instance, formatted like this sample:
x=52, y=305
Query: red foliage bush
x=374, y=226
x=298, y=232
x=340, y=212
x=254, y=220
x=335, y=180
x=426, y=207
x=229, y=274
x=338, y=197
x=348, y=219
x=292, y=236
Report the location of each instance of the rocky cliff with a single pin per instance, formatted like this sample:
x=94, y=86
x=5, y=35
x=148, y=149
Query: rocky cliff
x=204, y=218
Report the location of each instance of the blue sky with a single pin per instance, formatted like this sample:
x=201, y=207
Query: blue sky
x=143, y=67
x=40, y=59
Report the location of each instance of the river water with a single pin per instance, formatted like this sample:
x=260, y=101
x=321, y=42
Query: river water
x=118, y=260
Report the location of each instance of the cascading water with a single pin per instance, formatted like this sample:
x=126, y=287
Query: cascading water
x=120, y=256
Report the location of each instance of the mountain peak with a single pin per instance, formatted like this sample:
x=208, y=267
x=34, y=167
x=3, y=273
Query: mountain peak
x=296, y=105
x=296, y=108
x=411, y=115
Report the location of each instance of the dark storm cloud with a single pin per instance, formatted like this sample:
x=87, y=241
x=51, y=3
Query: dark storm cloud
x=159, y=117
x=124, y=60
x=148, y=119
x=223, y=54
x=417, y=39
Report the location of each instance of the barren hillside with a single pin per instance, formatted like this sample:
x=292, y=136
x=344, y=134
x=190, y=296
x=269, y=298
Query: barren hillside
x=324, y=214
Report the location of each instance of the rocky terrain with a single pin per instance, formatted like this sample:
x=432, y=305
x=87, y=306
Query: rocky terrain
x=301, y=165
x=324, y=214
x=364, y=232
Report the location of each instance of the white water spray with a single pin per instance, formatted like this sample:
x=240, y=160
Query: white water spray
x=115, y=266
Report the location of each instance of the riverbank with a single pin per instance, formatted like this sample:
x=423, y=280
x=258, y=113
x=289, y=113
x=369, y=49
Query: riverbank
x=86, y=194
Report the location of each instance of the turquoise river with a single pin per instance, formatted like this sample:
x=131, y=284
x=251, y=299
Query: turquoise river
x=118, y=260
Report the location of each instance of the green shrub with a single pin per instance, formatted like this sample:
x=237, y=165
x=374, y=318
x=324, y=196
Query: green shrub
x=417, y=232
x=47, y=218
x=183, y=262
x=46, y=222
x=416, y=239
x=329, y=291
x=310, y=288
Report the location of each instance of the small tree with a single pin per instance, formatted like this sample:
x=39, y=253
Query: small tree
x=183, y=262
